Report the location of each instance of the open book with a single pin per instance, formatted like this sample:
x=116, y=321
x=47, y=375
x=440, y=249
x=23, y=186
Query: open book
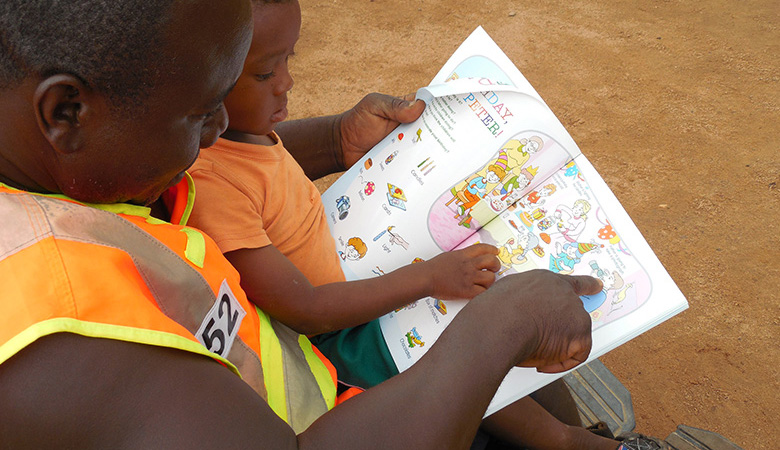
x=489, y=162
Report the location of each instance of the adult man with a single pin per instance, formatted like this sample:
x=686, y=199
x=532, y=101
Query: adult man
x=108, y=102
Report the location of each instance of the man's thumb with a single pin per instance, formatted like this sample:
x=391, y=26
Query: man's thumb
x=409, y=110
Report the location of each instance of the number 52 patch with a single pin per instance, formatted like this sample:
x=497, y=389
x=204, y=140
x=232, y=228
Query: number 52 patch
x=220, y=326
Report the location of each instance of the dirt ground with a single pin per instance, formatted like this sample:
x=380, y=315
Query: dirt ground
x=677, y=104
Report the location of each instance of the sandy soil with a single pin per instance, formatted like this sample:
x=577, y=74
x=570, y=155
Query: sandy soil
x=677, y=105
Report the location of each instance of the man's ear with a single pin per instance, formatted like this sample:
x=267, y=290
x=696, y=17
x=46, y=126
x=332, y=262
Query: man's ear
x=62, y=103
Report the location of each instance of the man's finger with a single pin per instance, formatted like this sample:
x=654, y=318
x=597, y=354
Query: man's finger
x=578, y=354
x=584, y=284
x=407, y=110
x=579, y=349
x=399, y=109
x=559, y=367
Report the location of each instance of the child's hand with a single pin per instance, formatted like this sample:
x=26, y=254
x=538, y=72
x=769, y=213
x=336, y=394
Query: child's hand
x=462, y=274
x=373, y=118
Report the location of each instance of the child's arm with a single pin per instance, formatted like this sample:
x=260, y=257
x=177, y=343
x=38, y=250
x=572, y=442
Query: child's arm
x=275, y=285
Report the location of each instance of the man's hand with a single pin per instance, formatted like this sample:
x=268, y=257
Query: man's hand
x=373, y=118
x=548, y=308
x=465, y=273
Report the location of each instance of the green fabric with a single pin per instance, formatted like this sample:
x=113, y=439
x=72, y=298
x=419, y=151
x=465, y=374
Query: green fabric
x=359, y=354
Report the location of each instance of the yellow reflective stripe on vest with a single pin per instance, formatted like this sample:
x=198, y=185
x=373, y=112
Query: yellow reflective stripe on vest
x=320, y=372
x=195, y=251
x=107, y=331
x=190, y=199
x=273, y=366
x=295, y=377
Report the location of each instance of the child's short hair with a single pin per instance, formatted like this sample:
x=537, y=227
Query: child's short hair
x=359, y=245
x=498, y=170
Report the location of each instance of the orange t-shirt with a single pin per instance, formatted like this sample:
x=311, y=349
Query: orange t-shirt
x=251, y=196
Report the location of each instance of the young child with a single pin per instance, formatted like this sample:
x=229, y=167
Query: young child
x=267, y=217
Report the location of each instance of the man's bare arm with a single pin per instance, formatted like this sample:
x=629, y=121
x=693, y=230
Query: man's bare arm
x=72, y=391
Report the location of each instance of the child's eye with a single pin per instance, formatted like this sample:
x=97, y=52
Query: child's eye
x=264, y=76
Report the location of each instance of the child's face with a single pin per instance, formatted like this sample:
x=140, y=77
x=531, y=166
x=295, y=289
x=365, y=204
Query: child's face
x=352, y=253
x=522, y=181
x=608, y=279
x=259, y=100
x=522, y=240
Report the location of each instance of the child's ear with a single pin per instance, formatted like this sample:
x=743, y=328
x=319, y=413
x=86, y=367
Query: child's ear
x=62, y=102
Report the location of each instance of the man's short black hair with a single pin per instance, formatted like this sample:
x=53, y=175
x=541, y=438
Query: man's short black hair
x=113, y=46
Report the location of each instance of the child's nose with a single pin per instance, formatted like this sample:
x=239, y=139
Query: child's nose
x=285, y=83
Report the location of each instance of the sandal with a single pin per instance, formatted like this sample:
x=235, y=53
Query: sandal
x=636, y=441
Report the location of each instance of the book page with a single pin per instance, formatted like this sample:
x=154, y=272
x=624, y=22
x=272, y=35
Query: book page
x=396, y=205
x=489, y=162
x=569, y=225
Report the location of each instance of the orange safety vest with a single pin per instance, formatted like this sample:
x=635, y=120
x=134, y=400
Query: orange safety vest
x=113, y=271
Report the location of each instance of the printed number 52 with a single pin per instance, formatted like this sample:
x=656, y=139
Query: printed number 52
x=210, y=334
